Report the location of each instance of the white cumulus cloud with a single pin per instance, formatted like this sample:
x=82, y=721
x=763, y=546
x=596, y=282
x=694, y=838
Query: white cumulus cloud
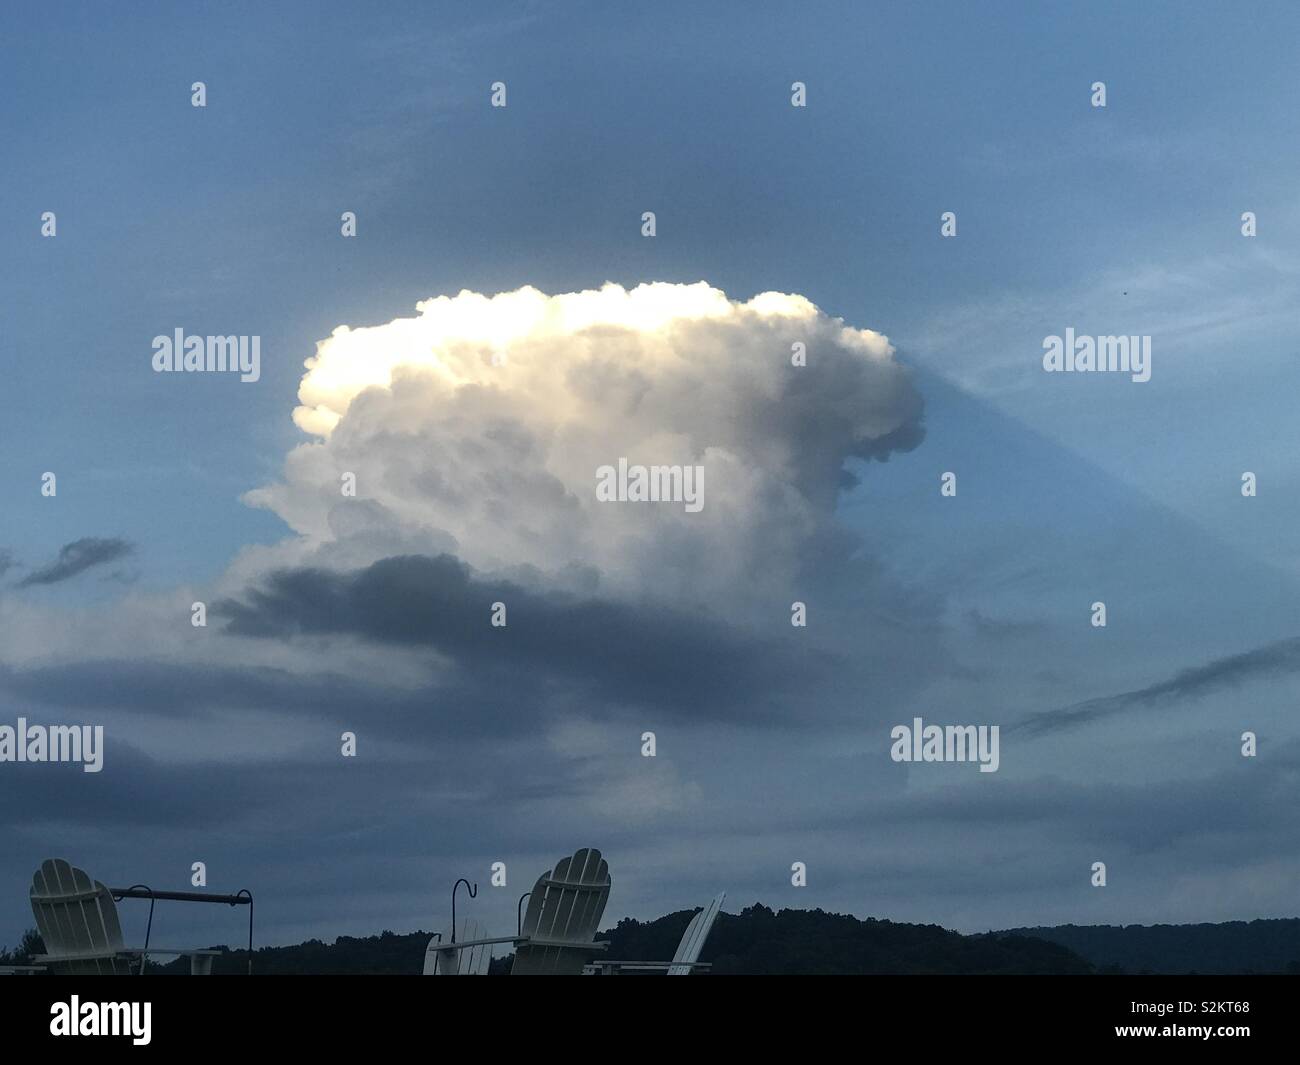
x=477, y=427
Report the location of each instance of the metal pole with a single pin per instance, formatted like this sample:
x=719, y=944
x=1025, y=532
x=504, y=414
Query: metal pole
x=519, y=914
x=140, y=891
x=473, y=894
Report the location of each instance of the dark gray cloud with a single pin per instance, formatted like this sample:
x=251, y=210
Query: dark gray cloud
x=194, y=690
x=1274, y=660
x=303, y=834
x=76, y=558
x=683, y=663
x=377, y=841
x=500, y=703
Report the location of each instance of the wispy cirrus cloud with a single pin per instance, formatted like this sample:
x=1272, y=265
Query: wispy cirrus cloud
x=1273, y=660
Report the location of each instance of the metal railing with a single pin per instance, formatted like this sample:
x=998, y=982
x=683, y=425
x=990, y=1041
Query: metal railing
x=243, y=897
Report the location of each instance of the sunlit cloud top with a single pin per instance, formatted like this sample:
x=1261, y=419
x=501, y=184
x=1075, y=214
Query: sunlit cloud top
x=458, y=337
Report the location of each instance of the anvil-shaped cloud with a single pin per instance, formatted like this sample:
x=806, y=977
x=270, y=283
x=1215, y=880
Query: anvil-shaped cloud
x=476, y=429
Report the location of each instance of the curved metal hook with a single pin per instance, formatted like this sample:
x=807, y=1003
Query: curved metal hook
x=473, y=894
x=245, y=891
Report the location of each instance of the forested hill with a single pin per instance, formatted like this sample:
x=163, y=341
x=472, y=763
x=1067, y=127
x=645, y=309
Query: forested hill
x=1271, y=946
x=757, y=940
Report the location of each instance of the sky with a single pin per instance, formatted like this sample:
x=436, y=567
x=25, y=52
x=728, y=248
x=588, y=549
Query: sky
x=483, y=344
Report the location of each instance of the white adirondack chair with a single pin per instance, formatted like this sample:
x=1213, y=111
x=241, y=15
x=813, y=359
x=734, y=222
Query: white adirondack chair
x=444, y=958
x=563, y=916
x=77, y=919
x=558, y=932
x=687, y=958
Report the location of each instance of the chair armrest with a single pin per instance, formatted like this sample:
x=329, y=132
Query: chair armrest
x=651, y=966
x=121, y=952
x=460, y=944
x=518, y=941
x=568, y=944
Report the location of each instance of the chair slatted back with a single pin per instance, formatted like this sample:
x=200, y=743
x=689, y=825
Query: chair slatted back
x=688, y=950
x=77, y=915
x=565, y=910
x=443, y=958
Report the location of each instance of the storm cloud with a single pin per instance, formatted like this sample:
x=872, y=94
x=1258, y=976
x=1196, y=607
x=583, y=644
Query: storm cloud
x=477, y=427
x=610, y=652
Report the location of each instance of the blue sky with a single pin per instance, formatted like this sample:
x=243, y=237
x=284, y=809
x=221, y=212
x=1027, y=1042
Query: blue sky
x=229, y=213
x=1117, y=220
